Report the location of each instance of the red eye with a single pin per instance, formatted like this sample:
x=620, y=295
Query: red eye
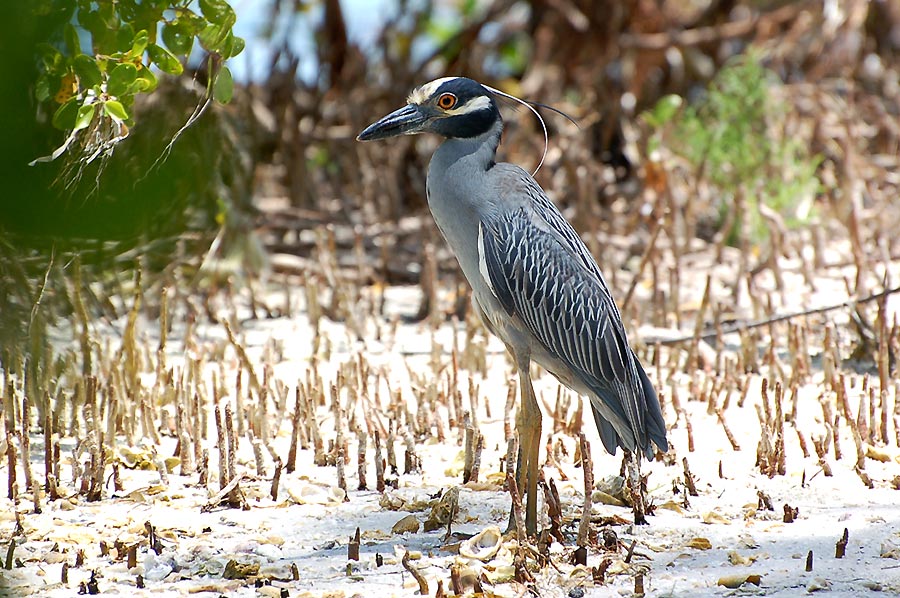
x=446, y=101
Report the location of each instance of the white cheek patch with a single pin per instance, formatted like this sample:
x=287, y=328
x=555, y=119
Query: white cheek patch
x=420, y=95
x=479, y=103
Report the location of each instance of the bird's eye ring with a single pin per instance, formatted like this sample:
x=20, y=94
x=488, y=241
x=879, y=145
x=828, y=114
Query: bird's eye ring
x=446, y=101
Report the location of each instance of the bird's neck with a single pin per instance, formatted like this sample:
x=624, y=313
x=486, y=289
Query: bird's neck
x=460, y=195
x=479, y=152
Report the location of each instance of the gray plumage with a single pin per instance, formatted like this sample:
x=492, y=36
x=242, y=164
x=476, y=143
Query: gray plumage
x=535, y=284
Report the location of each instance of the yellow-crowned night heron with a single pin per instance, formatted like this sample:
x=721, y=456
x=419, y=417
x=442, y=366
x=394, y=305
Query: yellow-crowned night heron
x=534, y=282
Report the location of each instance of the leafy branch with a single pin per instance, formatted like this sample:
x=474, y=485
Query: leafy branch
x=91, y=94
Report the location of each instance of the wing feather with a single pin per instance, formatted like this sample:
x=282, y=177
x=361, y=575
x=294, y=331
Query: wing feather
x=541, y=272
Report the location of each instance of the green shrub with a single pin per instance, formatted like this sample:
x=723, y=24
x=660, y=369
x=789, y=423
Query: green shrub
x=735, y=139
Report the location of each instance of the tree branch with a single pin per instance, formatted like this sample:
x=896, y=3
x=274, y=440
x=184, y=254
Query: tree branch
x=850, y=302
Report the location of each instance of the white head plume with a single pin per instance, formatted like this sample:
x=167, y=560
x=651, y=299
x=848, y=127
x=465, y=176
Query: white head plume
x=531, y=106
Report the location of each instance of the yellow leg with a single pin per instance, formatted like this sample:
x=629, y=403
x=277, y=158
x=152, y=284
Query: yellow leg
x=529, y=426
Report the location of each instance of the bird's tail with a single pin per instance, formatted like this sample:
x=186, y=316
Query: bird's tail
x=654, y=425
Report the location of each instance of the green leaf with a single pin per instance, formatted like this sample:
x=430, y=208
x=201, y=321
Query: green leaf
x=223, y=86
x=51, y=57
x=120, y=79
x=238, y=47
x=84, y=118
x=146, y=81
x=65, y=115
x=191, y=22
x=218, y=12
x=213, y=37
x=88, y=70
x=43, y=86
x=115, y=110
x=73, y=44
x=123, y=39
x=164, y=59
x=177, y=37
x=227, y=44
x=139, y=44
x=231, y=46
x=666, y=108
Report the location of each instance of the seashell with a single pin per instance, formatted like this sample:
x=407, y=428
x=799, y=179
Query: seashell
x=268, y=591
x=314, y=494
x=53, y=557
x=890, y=549
x=735, y=581
x=501, y=574
x=711, y=517
x=157, y=568
x=699, y=543
x=483, y=545
x=613, y=486
x=213, y=567
x=736, y=558
x=604, y=498
x=128, y=456
x=408, y=524
x=671, y=505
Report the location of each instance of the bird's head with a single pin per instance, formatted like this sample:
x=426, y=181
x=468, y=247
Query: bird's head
x=452, y=107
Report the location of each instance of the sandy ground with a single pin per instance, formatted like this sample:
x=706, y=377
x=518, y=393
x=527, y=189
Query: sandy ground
x=685, y=551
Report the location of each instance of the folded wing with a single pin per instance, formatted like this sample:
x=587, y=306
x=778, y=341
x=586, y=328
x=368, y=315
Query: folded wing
x=541, y=272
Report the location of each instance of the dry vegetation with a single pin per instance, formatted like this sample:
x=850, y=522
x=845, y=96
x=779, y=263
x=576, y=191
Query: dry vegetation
x=356, y=353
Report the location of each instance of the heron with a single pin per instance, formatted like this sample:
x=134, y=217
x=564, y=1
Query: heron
x=535, y=284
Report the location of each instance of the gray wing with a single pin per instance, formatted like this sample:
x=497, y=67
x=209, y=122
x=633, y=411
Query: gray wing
x=541, y=272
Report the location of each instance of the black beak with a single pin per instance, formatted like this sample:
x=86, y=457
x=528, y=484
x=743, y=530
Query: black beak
x=406, y=121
